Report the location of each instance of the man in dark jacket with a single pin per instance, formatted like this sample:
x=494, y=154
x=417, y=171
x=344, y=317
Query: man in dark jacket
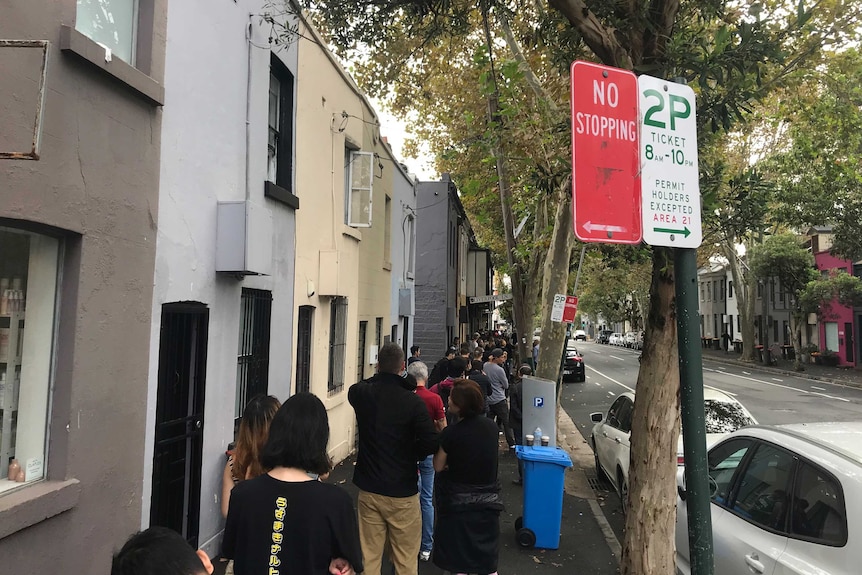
x=441, y=368
x=516, y=414
x=395, y=431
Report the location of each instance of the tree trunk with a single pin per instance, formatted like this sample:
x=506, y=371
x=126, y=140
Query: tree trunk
x=555, y=280
x=746, y=295
x=519, y=308
x=796, y=322
x=648, y=547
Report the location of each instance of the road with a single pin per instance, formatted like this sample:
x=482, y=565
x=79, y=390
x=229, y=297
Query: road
x=771, y=398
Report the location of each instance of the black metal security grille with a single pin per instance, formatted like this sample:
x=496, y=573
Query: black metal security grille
x=337, y=343
x=252, y=370
x=303, y=348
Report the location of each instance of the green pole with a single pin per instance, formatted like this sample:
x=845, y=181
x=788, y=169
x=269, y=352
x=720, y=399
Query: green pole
x=697, y=494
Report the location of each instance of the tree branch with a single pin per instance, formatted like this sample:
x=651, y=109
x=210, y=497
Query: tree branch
x=600, y=39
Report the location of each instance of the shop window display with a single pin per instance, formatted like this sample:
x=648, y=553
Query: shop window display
x=28, y=294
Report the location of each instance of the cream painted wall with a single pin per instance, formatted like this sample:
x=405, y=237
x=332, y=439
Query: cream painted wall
x=331, y=117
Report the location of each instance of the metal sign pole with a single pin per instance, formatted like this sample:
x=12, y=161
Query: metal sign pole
x=697, y=494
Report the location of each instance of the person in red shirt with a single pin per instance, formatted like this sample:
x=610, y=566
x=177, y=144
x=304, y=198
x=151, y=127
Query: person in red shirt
x=434, y=403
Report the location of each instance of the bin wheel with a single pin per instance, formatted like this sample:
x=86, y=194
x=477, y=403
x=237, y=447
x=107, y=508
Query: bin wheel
x=526, y=537
x=519, y=522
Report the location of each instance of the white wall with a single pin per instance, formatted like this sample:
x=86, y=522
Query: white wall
x=203, y=161
x=403, y=204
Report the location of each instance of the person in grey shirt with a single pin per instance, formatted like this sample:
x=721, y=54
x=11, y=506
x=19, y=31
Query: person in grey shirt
x=497, y=406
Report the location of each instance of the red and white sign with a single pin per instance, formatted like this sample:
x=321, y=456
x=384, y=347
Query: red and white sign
x=606, y=188
x=565, y=308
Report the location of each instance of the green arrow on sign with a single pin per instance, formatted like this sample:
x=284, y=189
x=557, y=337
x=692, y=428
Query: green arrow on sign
x=685, y=231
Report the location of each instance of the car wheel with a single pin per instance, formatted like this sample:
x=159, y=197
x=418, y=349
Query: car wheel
x=623, y=490
x=599, y=471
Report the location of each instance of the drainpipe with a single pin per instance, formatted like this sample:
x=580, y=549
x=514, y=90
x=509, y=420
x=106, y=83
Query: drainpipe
x=248, y=39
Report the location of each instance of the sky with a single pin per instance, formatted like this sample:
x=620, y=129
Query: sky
x=396, y=132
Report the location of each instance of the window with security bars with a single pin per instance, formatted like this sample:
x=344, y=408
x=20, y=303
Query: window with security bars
x=303, y=348
x=337, y=344
x=252, y=370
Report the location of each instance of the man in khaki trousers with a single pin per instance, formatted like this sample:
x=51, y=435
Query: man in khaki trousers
x=395, y=432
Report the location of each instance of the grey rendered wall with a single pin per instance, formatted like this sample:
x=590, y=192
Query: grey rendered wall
x=432, y=269
x=96, y=186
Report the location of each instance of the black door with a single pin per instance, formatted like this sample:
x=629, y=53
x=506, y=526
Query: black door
x=303, y=349
x=179, y=419
x=848, y=342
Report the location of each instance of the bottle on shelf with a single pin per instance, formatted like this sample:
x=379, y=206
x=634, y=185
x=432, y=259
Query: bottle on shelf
x=13, y=470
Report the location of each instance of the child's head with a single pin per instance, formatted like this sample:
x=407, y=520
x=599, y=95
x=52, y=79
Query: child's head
x=159, y=551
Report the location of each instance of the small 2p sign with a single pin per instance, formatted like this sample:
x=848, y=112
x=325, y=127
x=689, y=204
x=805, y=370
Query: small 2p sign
x=565, y=308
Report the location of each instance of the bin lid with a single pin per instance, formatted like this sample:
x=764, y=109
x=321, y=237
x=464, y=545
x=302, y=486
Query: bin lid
x=554, y=455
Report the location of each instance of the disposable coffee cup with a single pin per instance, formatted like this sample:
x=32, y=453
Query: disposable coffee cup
x=529, y=439
x=546, y=440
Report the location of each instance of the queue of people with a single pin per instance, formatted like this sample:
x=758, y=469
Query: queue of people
x=426, y=470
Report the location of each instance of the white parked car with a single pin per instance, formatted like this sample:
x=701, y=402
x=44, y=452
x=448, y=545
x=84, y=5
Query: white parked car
x=610, y=438
x=785, y=501
x=629, y=339
x=616, y=338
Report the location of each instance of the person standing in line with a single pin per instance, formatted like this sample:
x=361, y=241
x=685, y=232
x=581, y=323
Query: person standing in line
x=457, y=368
x=287, y=516
x=467, y=534
x=535, y=354
x=497, y=406
x=434, y=404
x=474, y=342
x=395, y=431
x=415, y=352
x=160, y=550
x=476, y=374
x=441, y=368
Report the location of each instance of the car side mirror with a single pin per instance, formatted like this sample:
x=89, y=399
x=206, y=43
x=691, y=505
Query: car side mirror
x=597, y=417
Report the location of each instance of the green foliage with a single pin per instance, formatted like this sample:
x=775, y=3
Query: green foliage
x=784, y=258
x=838, y=288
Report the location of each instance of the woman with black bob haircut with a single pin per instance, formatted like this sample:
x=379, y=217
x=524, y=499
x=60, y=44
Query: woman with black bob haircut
x=287, y=516
x=467, y=492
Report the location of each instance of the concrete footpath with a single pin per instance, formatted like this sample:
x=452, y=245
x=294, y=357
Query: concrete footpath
x=587, y=543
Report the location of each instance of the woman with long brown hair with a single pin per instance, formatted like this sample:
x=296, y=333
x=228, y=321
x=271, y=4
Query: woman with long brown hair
x=244, y=461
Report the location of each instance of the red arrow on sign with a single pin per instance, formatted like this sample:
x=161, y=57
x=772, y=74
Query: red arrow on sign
x=606, y=190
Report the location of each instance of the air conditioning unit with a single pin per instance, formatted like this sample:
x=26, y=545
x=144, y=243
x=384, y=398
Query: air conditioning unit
x=243, y=238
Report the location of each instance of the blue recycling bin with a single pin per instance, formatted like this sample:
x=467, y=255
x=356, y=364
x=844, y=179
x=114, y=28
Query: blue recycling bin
x=544, y=474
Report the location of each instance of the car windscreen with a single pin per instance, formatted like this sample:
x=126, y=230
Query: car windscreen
x=724, y=416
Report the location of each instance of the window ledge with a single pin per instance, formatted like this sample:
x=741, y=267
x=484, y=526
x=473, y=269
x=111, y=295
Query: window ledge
x=74, y=42
x=281, y=195
x=36, y=503
x=351, y=232
x=411, y=276
x=387, y=266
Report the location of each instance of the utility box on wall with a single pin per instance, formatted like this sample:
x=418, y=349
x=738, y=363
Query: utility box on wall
x=243, y=238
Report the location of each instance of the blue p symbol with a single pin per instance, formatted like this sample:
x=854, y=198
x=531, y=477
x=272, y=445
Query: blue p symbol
x=538, y=401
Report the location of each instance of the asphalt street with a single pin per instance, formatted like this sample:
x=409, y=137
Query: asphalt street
x=773, y=398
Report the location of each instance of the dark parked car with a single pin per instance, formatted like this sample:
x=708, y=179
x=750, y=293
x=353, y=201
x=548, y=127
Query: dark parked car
x=573, y=369
x=603, y=336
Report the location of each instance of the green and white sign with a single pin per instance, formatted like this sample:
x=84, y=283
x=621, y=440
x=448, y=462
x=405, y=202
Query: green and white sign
x=670, y=187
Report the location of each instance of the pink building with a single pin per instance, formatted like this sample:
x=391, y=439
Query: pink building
x=838, y=330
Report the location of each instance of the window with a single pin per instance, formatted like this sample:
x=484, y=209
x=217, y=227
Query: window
x=303, y=348
x=620, y=414
x=360, y=361
x=729, y=289
x=387, y=232
x=28, y=288
x=739, y=323
x=708, y=291
x=280, y=121
x=761, y=496
x=337, y=343
x=111, y=23
x=702, y=292
x=360, y=185
x=723, y=462
x=252, y=369
x=817, y=510
x=410, y=245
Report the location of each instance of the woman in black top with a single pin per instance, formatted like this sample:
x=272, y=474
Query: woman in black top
x=286, y=521
x=467, y=530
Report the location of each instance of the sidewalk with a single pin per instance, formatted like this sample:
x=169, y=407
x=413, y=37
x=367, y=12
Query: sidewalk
x=583, y=547
x=841, y=375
